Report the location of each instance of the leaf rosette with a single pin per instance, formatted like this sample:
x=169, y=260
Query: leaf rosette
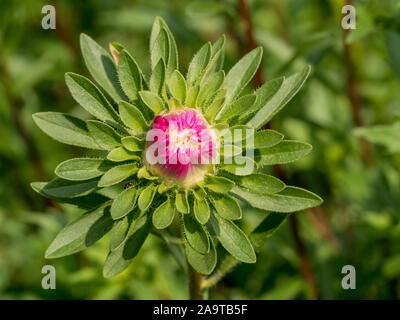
x=125, y=192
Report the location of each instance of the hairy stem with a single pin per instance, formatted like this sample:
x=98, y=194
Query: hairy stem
x=195, y=284
x=226, y=266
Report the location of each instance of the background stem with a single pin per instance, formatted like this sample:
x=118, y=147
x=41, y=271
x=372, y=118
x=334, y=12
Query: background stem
x=306, y=269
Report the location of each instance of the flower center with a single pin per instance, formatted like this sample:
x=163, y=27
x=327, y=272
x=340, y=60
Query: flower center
x=180, y=147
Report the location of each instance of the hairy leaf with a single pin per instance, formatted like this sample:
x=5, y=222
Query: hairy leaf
x=233, y=239
x=121, y=154
x=65, y=129
x=163, y=215
x=152, y=101
x=203, y=263
x=117, y=174
x=124, y=203
x=130, y=76
x=201, y=210
x=241, y=73
x=120, y=258
x=288, y=89
x=104, y=135
x=196, y=235
x=132, y=117
x=81, y=233
x=82, y=168
x=101, y=66
x=290, y=199
x=284, y=152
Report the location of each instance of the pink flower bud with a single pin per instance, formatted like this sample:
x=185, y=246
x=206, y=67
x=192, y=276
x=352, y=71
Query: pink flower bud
x=181, y=147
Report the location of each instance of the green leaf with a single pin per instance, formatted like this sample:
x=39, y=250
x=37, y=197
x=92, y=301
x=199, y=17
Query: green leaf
x=218, y=184
x=113, y=191
x=230, y=151
x=172, y=54
x=159, y=49
x=261, y=183
x=199, y=193
x=101, y=67
x=163, y=215
x=226, y=206
x=82, y=168
x=266, y=228
x=117, y=174
x=286, y=92
x=216, y=105
x=386, y=135
x=236, y=108
x=257, y=238
x=146, y=197
x=133, y=143
x=143, y=173
x=81, y=233
x=158, y=78
x=393, y=49
x=198, y=64
x=263, y=94
x=65, y=128
x=217, y=58
x=132, y=117
x=201, y=210
x=240, y=74
x=119, y=232
x=86, y=202
x=284, y=152
x=152, y=101
x=217, y=50
x=61, y=188
x=235, y=134
x=104, y=135
x=203, y=263
x=120, y=258
x=290, y=199
x=174, y=104
x=90, y=98
x=265, y=139
x=191, y=96
x=177, y=86
x=181, y=202
x=240, y=166
x=124, y=203
x=130, y=76
x=233, y=239
x=196, y=235
x=121, y=154
x=209, y=88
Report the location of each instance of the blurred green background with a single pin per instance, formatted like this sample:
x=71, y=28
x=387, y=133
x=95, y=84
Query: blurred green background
x=355, y=82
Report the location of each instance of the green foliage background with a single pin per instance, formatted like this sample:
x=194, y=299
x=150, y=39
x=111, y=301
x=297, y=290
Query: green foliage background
x=359, y=222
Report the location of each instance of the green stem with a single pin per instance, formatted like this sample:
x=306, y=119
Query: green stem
x=226, y=266
x=195, y=282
